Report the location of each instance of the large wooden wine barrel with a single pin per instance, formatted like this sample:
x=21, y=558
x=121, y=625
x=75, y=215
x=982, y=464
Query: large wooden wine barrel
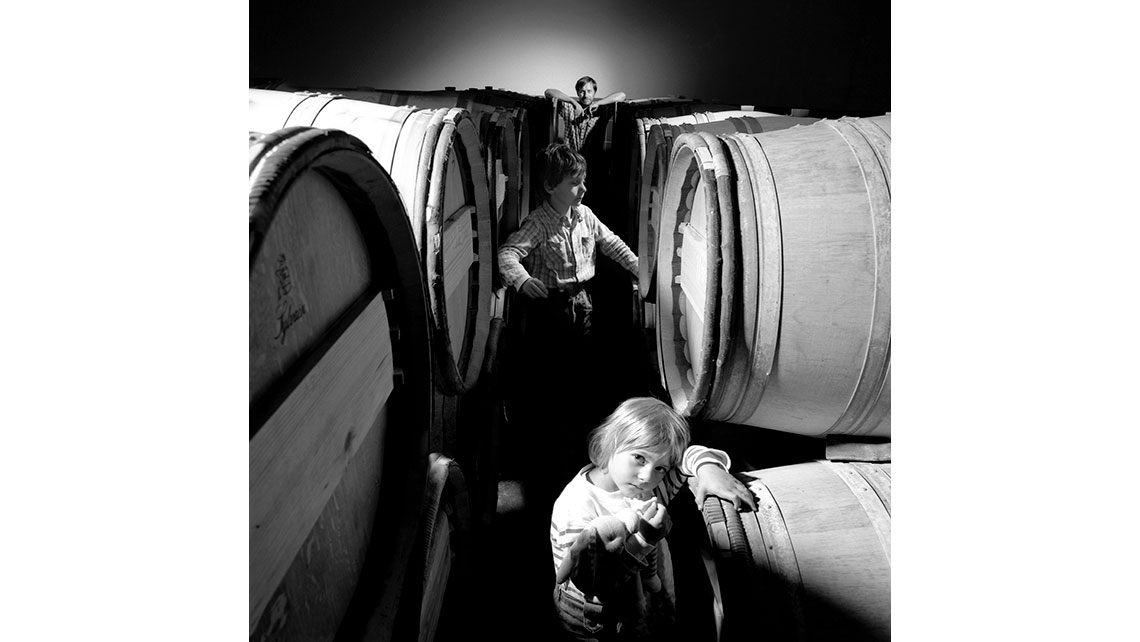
x=813, y=563
x=653, y=178
x=773, y=284
x=340, y=386
x=434, y=158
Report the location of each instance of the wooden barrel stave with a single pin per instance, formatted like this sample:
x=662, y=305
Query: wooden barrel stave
x=827, y=290
x=332, y=556
x=269, y=110
x=835, y=304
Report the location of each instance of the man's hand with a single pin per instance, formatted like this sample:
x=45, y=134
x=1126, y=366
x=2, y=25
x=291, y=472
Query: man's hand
x=533, y=289
x=713, y=479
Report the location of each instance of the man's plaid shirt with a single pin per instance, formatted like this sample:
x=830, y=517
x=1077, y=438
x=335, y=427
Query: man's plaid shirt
x=558, y=251
x=577, y=129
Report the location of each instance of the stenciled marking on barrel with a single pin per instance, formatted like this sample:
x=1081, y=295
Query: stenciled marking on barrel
x=290, y=304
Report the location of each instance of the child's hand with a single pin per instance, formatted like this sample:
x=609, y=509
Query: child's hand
x=611, y=532
x=652, y=583
x=715, y=480
x=533, y=289
x=654, y=523
x=629, y=517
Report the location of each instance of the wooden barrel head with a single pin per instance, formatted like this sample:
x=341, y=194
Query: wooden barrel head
x=689, y=279
x=308, y=272
x=459, y=254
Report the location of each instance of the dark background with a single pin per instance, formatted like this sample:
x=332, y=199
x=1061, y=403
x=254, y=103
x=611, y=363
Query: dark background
x=807, y=54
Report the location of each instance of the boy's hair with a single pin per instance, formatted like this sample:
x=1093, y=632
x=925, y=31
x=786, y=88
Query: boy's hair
x=640, y=422
x=582, y=82
x=559, y=160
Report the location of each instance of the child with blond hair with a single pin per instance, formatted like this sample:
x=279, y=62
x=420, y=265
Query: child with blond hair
x=608, y=526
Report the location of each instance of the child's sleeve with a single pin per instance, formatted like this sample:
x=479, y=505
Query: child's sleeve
x=563, y=535
x=517, y=247
x=695, y=456
x=612, y=246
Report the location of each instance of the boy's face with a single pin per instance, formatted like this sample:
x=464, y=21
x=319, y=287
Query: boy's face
x=568, y=193
x=586, y=94
x=637, y=472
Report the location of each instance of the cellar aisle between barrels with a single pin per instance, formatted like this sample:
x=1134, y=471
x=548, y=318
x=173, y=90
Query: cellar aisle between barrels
x=541, y=446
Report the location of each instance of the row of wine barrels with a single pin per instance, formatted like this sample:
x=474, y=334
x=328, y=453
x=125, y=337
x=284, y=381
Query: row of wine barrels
x=433, y=156
x=773, y=278
x=813, y=563
x=340, y=386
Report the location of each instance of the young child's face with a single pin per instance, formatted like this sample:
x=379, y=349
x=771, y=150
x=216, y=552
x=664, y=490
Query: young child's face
x=568, y=193
x=586, y=94
x=637, y=472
